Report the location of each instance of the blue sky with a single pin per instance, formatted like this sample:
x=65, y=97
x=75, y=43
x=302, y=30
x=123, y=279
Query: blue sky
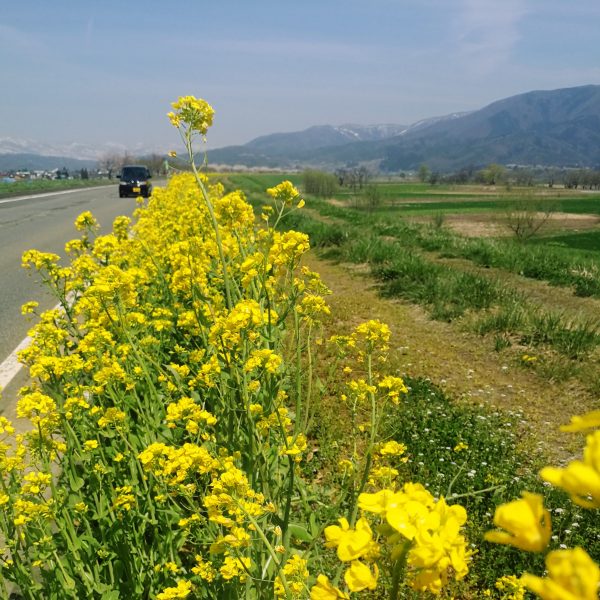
x=105, y=71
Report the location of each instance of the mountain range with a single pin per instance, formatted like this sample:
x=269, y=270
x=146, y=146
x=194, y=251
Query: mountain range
x=551, y=128
x=16, y=154
x=548, y=128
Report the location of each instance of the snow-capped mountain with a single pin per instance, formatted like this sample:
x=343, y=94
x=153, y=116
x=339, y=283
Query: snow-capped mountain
x=10, y=145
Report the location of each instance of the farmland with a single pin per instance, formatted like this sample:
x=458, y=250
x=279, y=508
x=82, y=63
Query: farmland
x=39, y=186
x=511, y=299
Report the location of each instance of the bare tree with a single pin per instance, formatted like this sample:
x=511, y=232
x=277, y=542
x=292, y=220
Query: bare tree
x=154, y=162
x=111, y=163
x=526, y=217
x=373, y=197
x=424, y=172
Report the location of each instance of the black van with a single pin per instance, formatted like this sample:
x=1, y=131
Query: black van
x=134, y=181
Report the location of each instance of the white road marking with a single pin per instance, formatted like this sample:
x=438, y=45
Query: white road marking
x=11, y=365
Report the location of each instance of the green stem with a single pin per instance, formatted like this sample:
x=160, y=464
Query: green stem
x=398, y=571
x=372, y=439
x=309, y=378
x=213, y=219
x=298, y=373
x=270, y=550
x=288, y=503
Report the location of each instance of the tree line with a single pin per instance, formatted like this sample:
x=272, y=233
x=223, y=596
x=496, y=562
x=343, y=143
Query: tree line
x=496, y=174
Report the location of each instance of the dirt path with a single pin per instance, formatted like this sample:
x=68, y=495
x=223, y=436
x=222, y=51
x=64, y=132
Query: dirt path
x=463, y=364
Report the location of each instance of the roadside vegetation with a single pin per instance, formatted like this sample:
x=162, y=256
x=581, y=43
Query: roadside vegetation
x=415, y=262
x=202, y=426
x=39, y=186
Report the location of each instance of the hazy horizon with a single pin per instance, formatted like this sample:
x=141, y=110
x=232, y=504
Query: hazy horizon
x=98, y=73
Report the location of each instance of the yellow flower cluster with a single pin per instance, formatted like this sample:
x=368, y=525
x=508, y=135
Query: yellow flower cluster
x=163, y=416
x=186, y=410
x=193, y=113
x=580, y=478
x=296, y=573
x=285, y=192
x=572, y=574
x=263, y=359
x=182, y=590
x=352, y=545
x=177, y=464
x=526, y=521
x=429, y=529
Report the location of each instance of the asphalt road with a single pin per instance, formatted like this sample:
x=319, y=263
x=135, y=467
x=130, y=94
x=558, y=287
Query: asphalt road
x=44, y=223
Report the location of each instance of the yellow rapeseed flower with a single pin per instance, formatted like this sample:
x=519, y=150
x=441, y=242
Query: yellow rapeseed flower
x=192, y=113
x=526, y=521
x=590, y=420
x=235, y=567
x=86, y=220
x=392, y=448
x=359, y=577
x=204, y=569
x=182, y=590
x=323, y=590
x=29, y=307
x=572, y=575
x=285, y=192
x=351, y=544
x=580, y=479
x=511, y=586
x=296, y=574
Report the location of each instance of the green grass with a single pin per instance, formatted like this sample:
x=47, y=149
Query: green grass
x=457, y=205
x=394, y=251
x=585, y=240
x=39, y=186
x=255, y=183
x=449, y=293
x=496, y=460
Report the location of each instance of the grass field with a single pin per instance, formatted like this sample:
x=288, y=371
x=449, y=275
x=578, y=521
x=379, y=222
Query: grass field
x=39, y=186
x=477, y=282
x=587, y=240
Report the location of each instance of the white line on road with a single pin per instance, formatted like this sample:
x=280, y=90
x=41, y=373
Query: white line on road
x=46, y=194
x=11, y=365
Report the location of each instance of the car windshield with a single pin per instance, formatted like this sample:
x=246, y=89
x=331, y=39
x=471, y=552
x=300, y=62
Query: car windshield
x=134, y=173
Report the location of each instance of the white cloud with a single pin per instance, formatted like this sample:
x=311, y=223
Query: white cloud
x=486, y=33
x=12, y=38
x=272, y=47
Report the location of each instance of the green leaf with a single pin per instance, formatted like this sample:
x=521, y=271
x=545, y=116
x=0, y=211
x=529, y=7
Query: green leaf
x=314, y=528
x=65, y=579
x=75, y=482
x=300, y=532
